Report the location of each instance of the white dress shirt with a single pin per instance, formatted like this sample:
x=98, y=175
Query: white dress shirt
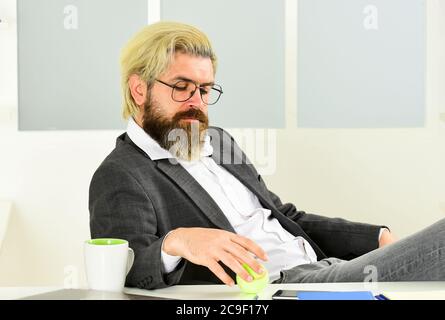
x=241, y=207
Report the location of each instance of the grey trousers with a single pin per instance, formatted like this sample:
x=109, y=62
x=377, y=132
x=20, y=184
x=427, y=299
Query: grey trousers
x=419, y=257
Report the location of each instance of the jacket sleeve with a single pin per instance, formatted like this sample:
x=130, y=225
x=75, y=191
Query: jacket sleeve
x=120, y=208
x=336, y=237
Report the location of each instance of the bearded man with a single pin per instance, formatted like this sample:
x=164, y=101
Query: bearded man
x=193, y=208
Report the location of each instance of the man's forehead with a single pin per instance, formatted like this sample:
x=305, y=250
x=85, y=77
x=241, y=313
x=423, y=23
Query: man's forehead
x=184, y=78
x=189, y=67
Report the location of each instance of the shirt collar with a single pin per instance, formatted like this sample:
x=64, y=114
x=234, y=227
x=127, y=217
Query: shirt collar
x=152, y=148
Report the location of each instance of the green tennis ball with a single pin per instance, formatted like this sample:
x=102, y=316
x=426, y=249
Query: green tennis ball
x=260, y=281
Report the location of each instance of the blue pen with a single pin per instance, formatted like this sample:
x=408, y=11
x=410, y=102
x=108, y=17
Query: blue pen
x=381, y=297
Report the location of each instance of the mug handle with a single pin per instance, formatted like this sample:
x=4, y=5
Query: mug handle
x=130, y=259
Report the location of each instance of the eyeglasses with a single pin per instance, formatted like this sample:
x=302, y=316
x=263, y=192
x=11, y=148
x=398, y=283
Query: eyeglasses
x=183, y=90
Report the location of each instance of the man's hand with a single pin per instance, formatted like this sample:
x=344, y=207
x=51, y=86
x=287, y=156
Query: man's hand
x=386, y=238
x=208, y=247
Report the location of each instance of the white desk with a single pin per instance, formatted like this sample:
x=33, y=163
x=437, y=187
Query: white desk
x=11, y=293
x=427, y=290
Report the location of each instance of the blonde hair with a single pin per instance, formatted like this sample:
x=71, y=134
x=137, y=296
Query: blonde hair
x=149, y=53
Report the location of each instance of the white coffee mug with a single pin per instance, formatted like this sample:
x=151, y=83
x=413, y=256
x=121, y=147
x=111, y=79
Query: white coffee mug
x=107, y=263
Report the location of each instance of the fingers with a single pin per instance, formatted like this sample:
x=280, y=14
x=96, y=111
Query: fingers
x=233, y=264
x=220, y=273
x=208, y=247
x=236, y=266
x=250, y=246
x=245, y=257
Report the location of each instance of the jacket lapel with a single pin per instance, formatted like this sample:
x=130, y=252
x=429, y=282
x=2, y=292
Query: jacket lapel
x=246, y=178
x=237, y=166
x=193, y=189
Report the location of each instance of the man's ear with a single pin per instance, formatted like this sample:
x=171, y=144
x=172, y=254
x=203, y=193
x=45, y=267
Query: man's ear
x=138, y=89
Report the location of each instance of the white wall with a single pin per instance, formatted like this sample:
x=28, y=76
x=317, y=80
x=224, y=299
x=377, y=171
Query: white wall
x=388, y=176
x=46, y=175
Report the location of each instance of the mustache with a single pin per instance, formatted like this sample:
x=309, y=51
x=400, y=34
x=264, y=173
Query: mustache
x=191, y=113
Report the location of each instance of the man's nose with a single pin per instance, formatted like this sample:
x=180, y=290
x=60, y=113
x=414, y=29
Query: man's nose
x=195, y=99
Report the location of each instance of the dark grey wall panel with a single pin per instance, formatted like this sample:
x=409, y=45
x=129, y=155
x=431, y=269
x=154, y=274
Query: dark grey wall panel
x=248, y=37
x=361, y=64
x=68, y=56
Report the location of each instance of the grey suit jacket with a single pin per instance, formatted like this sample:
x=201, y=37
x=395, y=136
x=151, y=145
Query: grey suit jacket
x=135, y=198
